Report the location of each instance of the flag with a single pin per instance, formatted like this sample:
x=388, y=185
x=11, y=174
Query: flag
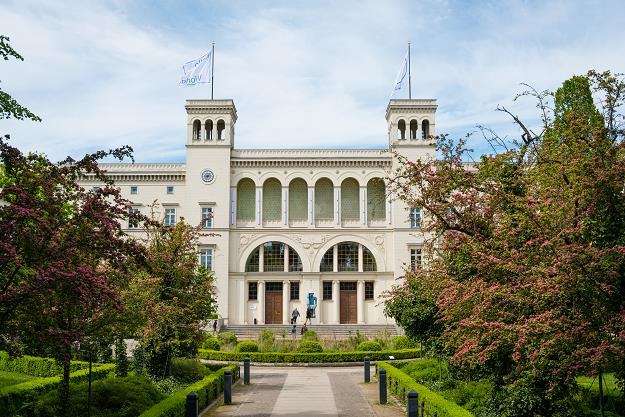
x=402, y=76
x=197, y=71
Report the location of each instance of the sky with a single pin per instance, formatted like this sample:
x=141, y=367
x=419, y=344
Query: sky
x=302, y=74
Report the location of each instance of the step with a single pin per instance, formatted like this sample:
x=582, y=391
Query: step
x=324, y=331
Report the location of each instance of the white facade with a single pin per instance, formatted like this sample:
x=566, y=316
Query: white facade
x=329, y=208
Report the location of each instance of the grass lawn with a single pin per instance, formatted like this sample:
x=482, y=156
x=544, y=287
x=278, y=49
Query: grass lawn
x=592, y=384
x=12, y=378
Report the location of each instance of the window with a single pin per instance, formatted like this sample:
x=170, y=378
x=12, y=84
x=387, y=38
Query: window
x=273, y=258
x=252, y=291
x=197, y=129
x=401, y=129
x=413, y=129
x=327, y=290
x=170, y=216
x=208, y=125
x=295, y=263
x=348, y=257
x=327, y=262
x=415, y=218
x=425, y=129
x=170, y=189
x=368, y=290
x=221, y=126
x=415, y=258
x=207, y=217
x=294, y=290
x=206, y=258
x=252, y=264
x=132, y=222
x=368, y=261
x=133, y=189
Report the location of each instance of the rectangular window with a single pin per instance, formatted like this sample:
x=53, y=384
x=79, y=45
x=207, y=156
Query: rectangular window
x=415, y=259
x=206, y=258
x=133, y=189
x=294, y=290
x=170, y=189
x=348, y=257
x=415, y=218
x=170, y=216
x=252, y=291
x=368, y=290
x=133, y=223
x=207, y=217
x=327, y=290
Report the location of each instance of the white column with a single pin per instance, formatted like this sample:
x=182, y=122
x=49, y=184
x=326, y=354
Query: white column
x=336, y=299
x=363, y=205
x=337, y=205
x=389, y=209
x=214, y=130
x=335, y=258
x=285, y=205
x=311, y=205
x=233, y=205
x=360, y=302
x=259, y=205
x=261, y=302
x=286, y=313
x=261, y=259
x=242, y=301
x=286, y=258
x=360, y=260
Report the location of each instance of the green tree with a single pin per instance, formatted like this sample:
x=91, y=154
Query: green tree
x=9, y=107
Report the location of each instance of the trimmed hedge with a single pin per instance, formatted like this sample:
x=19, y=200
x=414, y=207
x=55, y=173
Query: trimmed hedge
x=433, y=401
x=247, y=346
x=310, y=346
x=34, y=366
x=16, y=397
x=294, y=357
x=208, y=389
x=369, y=346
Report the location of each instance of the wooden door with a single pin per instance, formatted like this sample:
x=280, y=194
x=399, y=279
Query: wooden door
x=273, y=307
x=348, y=303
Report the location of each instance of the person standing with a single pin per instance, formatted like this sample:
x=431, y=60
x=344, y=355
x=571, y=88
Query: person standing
x=294, y=315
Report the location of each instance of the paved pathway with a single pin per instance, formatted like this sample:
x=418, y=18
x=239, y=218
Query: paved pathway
x=303, y=392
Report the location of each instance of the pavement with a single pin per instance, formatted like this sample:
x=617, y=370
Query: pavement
x=304, y=392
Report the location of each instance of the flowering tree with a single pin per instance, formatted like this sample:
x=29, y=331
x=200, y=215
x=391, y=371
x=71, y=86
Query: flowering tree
x=529, y=275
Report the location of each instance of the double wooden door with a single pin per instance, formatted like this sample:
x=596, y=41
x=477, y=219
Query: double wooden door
x=273, y=303
x=348, y=300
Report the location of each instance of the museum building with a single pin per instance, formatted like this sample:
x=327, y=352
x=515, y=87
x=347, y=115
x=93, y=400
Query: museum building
x=286, y=224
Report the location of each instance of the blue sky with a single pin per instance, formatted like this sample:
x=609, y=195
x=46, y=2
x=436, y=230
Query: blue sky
x=302, y=74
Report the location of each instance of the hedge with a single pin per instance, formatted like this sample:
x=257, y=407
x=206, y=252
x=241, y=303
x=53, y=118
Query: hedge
x=294, y=357
x=208, y=389
x=34, y=366
x=398, y=380
x=15, y=397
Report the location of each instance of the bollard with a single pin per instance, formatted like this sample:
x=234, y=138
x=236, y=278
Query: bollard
x=191, y=406
x=367, y=370
x=246, y=371
x=413, y=404
x=382, y=385
x=228, y=387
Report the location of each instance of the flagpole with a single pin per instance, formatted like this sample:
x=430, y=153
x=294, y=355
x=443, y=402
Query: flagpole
x=212, y=70
x=409, y=75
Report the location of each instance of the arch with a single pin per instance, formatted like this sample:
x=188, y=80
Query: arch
x=350, y=199
x=246, y=200
x=272, y=200
x=324, y=199
x=401, y=129
x=221, y=126
x=347, y=253
x=273, y=255
x=197, y=130
x=298, y=199
x=378, y=256
x=376, y=199
x=208, y=127
x=414, y=126
x=425, y=129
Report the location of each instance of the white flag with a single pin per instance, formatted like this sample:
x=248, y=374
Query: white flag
x=197, y=71
x=402, y=76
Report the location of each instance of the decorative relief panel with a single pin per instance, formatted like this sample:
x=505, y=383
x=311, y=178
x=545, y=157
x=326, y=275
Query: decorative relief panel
x=311, y=243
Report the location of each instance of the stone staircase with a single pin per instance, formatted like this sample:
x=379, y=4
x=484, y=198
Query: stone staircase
x=324, y=331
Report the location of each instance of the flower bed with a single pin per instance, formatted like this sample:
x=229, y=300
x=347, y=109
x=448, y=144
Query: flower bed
x=294, y=357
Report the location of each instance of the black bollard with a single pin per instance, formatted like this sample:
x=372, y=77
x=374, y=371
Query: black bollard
x=228, y=387
x=382, y=385
x=367, y=370
x=246, y=371
x=191, y=406
x=413, y=404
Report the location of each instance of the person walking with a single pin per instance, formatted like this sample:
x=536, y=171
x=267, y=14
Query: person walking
x=294, y=315
x=309, y=314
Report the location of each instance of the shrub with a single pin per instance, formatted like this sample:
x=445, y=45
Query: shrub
x=211, y=343
x=188, y=371
x=371, y=346
x=310, y=346
x=299, y=357
x=247, y=346
x=228, y=339
x=120, y=397
x=310, y=335
x=266, y=339
x=426, y=370
x=403, y=342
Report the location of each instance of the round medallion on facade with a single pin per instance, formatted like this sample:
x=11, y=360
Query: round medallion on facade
x=208, y=176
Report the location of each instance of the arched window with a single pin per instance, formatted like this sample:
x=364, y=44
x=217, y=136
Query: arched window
x=208, y=126
x=324, y=199
x=376, y=199
x=401, y=129
x=425, y=129
x=347, y=258
x=298, y=200
x=272, y=200
x=246, y=200
x=271, y=256
x=197, y=129
x=350, y=199
x=221, y=126
x=414, y=125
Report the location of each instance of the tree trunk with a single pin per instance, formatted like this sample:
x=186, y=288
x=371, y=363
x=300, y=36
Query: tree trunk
x=64, y=386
